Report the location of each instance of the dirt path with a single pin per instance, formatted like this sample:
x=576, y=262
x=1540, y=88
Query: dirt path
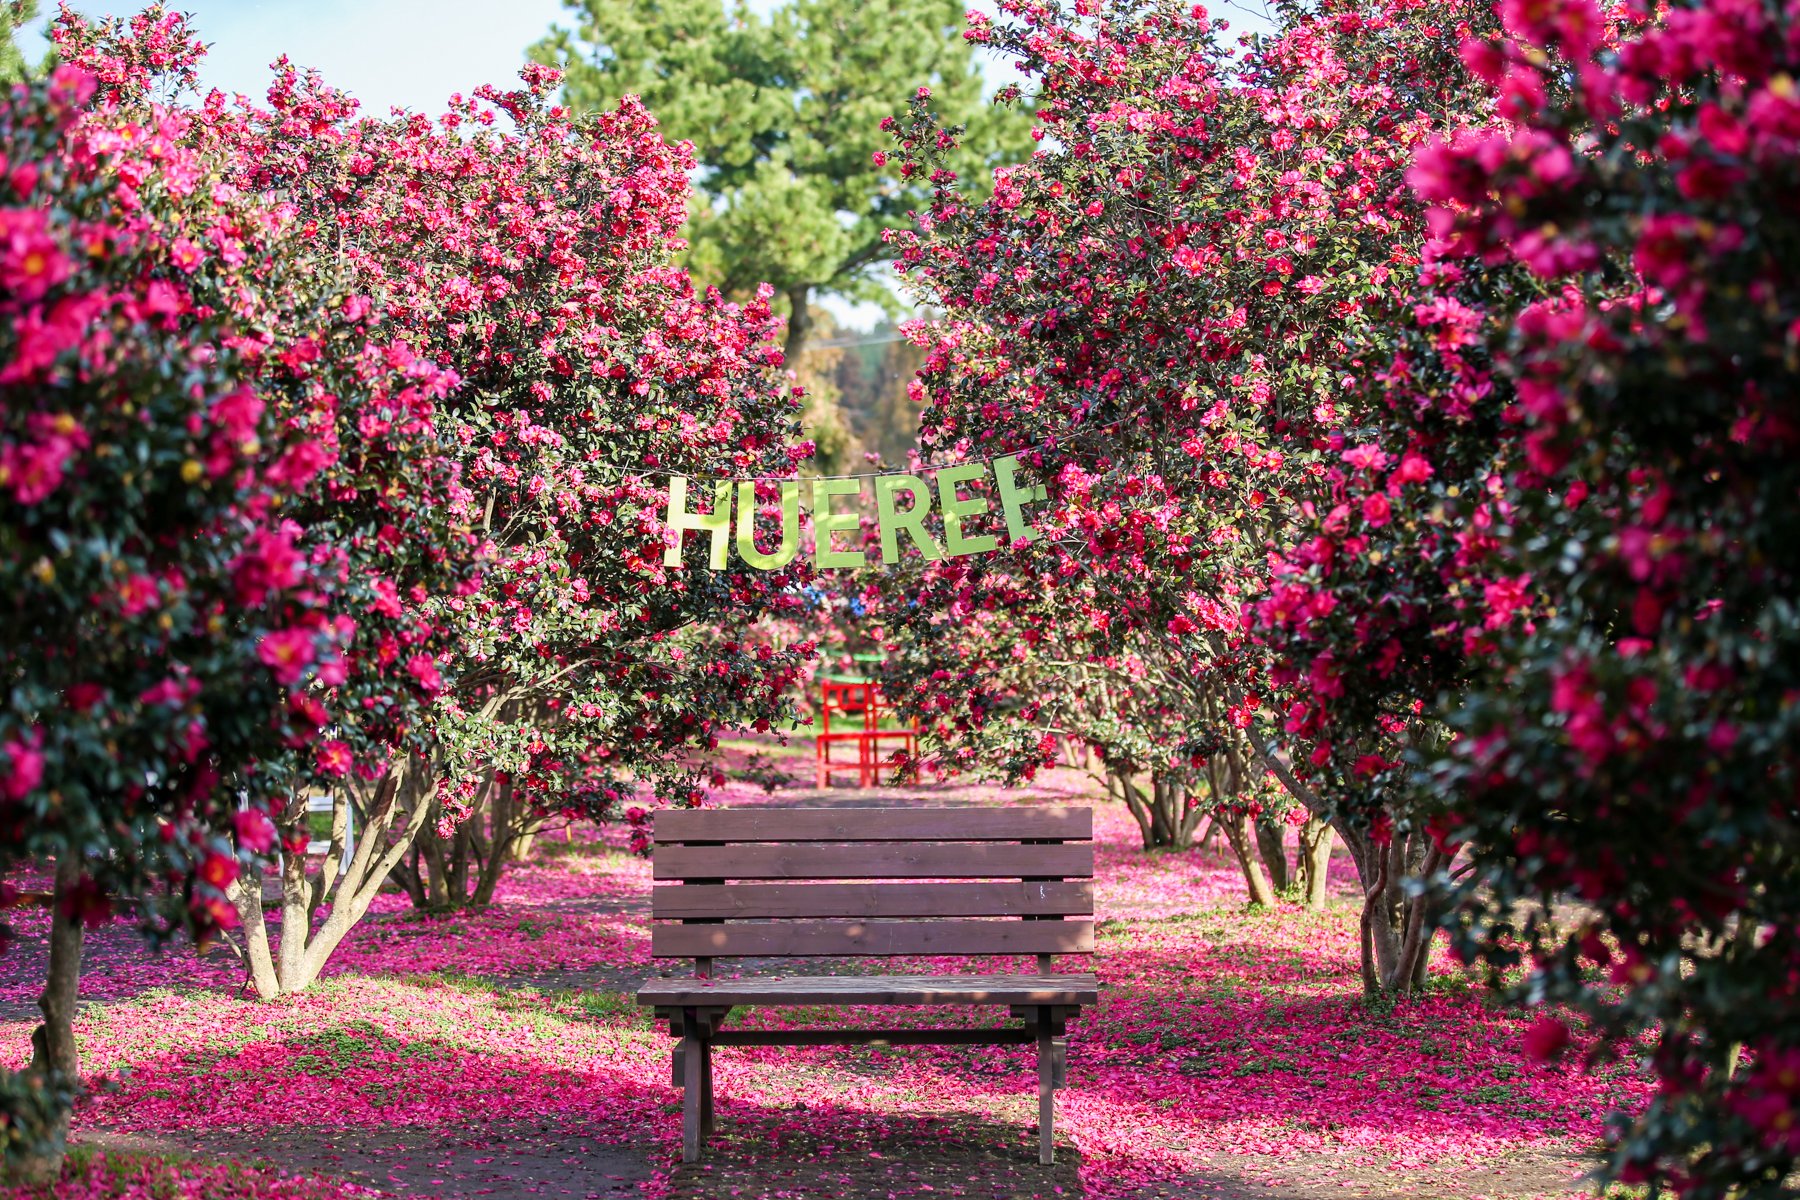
x=497, y=1161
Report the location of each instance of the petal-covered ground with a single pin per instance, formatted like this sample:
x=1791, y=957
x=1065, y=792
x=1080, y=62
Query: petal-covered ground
x=499, y=1053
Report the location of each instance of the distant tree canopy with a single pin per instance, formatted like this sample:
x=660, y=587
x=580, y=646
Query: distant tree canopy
x=14, y=15
x=784, y=112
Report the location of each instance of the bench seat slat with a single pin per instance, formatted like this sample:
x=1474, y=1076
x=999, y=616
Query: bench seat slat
x=1069, y=990
x=951, y=860
x=810, y=938
x=701, y=901
x=873, y=824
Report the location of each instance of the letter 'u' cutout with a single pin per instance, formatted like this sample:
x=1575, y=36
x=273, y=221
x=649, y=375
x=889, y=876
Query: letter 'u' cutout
x=912, y=520
x=790, y=526
x=716, y=523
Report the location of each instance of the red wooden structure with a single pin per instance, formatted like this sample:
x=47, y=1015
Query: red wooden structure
x=857, y=702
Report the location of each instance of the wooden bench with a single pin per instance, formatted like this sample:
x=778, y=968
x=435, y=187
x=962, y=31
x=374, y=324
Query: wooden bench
x=966, y=867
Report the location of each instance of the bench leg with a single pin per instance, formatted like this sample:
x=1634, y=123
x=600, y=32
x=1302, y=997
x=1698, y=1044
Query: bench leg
x=693, y=1071
x=706, y=1090
x=1046, y=1088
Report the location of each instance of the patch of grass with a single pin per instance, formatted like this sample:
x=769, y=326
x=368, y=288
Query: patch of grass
x=606, y=1004
x=327, y=1053
x=536, y=931
x=455, y=981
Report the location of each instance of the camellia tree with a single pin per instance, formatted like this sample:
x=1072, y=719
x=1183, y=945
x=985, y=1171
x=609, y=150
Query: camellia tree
x=183, y=382
x=1167, y=312
x=1634, y=746
x=536, y=262
x=1598, y=560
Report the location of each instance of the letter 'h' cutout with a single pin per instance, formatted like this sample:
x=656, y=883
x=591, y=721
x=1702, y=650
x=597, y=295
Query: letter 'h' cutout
x=716, y=523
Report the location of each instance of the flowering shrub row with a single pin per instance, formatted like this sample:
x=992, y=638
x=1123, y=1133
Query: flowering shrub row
x=1441, y=445
x=1167, y=311
x=309, y=453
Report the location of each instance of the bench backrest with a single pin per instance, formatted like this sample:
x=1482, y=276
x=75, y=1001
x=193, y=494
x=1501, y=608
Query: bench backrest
x=786, y=882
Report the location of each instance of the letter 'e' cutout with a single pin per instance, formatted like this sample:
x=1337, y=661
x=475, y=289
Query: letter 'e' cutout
x=1014, y=498
x=955, y=508
x=826, y=523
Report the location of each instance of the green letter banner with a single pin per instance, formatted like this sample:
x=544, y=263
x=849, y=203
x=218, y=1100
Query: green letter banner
x=903, y=505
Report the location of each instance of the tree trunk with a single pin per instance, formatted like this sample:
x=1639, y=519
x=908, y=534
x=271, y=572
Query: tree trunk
x=456, y=866
x=1135, y=804
x=340, y=892
x=1385, y=941
x=799, y=323
x=519, y=849
x=1274, y=854
x=409, y=877
x=431, y=847
x=1238, y=833
x=246, y=894
x=53, y=1052
x=1314, y=860
x=500, y=838
x=1161, y=822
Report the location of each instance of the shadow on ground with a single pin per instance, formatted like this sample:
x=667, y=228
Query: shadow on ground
x=801, y=1153
x=1522, y=1175
x=503, y=1162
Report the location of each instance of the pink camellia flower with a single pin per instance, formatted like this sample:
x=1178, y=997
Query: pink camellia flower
x=255, y=832
x=185, y=254
x=1376, y=510
x=287, y=652
x=422, y=668
x=137, y=594
x=269, y=563
x=24, y=769
x=333, y=757
x=83, y=696
x=1413, y=468
x=31, y=263
x=299, y=464
x=1545, y=1039
x=333, y=670
x=237, y=413
x=218, y=870
x=71, y=86
x=34, y=470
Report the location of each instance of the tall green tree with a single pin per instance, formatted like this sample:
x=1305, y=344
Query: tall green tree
x=784, y=111
x=14, y=15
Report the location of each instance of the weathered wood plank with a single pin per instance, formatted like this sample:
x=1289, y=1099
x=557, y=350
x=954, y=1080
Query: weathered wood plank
x=760, y=939
x=1066, y=823
x=1067, y=990
x=875, y=1037
x=692, y=901
x=881, y=860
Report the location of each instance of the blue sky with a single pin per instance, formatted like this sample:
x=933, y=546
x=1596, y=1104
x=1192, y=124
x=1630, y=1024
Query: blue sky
x=384, y=52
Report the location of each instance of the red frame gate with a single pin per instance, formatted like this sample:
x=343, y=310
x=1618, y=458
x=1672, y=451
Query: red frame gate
x=855, y=696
